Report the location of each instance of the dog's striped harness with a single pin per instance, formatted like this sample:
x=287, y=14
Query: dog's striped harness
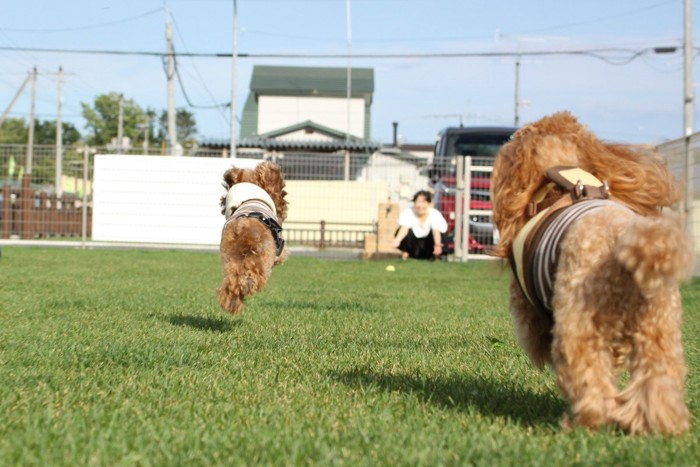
x=249, y=200
x=535, y=250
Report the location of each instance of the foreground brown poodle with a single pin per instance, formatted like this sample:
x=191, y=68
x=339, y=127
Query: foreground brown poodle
x=596, y=272
x=251, y=241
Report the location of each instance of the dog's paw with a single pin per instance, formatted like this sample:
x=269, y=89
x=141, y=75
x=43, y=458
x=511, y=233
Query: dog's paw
x=230, y=299
x=654, y=405
x=233, y=305
x=282, y=257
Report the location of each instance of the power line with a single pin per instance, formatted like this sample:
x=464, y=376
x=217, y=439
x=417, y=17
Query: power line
x=43, y=114
x=187, y=98
x=87, y=52
x=181, y=83
x=456, y=38
x=597, y=20
x=84, y=28
x=595, y=53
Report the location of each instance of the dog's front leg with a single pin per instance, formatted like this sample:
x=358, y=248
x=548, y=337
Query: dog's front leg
x=533, y=331
x=230, y=295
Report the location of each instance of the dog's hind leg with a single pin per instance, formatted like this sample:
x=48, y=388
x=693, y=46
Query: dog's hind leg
x=657, y=254
x=581, y=354
x=653, y=401
x=585, y=375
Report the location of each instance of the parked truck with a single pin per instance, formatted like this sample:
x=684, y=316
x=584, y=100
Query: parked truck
x=482, y=144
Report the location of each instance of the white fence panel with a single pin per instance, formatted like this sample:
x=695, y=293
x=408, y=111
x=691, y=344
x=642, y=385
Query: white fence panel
x=158, y=199
x=471, y=222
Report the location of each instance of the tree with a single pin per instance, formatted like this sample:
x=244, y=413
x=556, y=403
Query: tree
x=45, y=133
x=16, y=131
x=103, y=119
x=185, y=126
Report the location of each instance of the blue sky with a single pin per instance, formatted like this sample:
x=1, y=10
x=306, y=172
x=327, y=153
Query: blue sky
x=632, y=95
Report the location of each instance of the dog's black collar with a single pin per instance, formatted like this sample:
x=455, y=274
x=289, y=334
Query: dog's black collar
x=271, y=224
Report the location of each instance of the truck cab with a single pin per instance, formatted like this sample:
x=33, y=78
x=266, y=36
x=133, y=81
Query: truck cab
x=482, y=144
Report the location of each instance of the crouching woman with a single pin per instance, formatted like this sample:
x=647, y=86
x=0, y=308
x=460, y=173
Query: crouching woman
x=421, y=229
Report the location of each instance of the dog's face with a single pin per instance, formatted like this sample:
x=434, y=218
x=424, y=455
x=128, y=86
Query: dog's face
x=266, y=175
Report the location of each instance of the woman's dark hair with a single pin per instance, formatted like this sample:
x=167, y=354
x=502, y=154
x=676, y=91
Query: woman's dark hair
x=425, y=194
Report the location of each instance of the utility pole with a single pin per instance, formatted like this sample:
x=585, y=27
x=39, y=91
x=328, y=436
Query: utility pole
x=120, y=125
x=172, y=133
x=349, y=90
x=687, y=203
x=234, y=80
x=14, y=99
x=30, y=142
x=349, y=73
x=516, y=120
x=58, y=188
x=147, y=130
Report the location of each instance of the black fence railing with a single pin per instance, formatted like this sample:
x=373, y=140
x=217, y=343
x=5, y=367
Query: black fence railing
x=328, y=235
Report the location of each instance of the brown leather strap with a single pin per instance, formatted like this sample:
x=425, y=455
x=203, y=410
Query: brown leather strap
x=581, y=184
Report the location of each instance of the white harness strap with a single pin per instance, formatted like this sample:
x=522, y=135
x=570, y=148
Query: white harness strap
x=249, y=200
x=535, y=249
x=242, y=192
x=518, y=249
x=250, y=207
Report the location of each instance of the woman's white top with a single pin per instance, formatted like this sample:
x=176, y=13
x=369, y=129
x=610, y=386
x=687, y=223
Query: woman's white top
x=408, y=218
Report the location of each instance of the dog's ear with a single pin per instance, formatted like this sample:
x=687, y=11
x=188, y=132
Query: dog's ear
x=514, y=179
x=270, y=178
x=232, y=176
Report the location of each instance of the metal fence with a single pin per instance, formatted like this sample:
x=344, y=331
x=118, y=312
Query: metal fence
x=682, y=158
x=49, y=196
x=461, y=187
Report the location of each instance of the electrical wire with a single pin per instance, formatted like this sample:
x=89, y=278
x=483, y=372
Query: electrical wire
x=595, y=53
x=201, y=79
x=85, y=28
x=187, y=98
x=606, y=18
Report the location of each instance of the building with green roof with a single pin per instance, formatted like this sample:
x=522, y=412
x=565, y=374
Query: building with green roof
x=308, y=103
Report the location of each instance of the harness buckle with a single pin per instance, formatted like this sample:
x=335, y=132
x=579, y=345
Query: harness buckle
x=531, y=209
x=581, y=191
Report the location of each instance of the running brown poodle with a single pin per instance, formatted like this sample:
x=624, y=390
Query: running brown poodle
x=251, y=240
x=596, y=272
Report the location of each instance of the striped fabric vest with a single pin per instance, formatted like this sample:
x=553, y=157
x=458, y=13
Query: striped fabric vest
x=249, y=200
x=535, y=250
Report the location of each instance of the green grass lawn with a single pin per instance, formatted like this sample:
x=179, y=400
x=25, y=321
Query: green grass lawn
x=124, y=358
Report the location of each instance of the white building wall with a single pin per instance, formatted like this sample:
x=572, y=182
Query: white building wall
x=276, y=112
x=303, y=135
x=403, y=178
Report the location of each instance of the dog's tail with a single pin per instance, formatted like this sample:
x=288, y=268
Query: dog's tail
x=656, y=251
